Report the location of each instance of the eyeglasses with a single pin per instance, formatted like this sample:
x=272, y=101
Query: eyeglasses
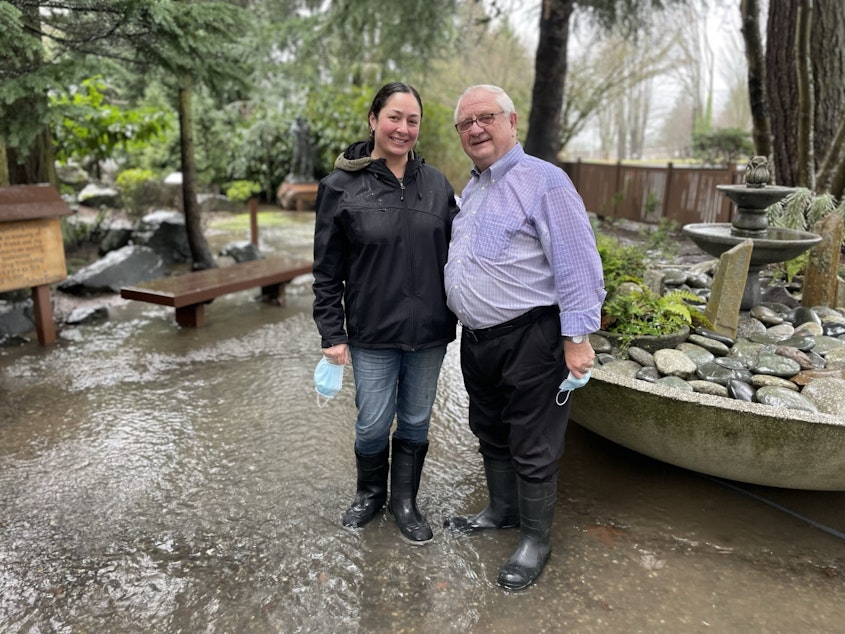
x=483, y=120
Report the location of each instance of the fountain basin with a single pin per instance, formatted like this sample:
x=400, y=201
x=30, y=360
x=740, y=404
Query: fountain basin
x=774, y=245
x=756, y=198
x=722, y=437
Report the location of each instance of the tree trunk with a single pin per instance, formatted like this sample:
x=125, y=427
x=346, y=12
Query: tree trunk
x=826, y=52
x=831, y=174
x=804, y=70
x=761, y=128
x=826, y=42
x=782, y=89
x=200, y=252
x=543, y=138
x=4, y=166
x=35, y=164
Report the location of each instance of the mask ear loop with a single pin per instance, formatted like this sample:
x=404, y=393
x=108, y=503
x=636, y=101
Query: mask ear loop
x=322, y=401
x=557, y=397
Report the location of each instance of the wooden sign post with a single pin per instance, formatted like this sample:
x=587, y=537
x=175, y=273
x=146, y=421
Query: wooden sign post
x=32, y=253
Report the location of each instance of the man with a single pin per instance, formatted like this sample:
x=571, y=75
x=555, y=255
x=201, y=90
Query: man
x=525, y=280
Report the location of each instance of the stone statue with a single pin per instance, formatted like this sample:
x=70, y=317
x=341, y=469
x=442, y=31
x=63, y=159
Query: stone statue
x=757, y=172
x=302, y=164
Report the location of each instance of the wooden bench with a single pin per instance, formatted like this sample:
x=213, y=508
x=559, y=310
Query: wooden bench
x=190, y=292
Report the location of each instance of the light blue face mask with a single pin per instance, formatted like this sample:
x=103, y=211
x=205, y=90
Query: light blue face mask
x=570, y=383
x=328, y=380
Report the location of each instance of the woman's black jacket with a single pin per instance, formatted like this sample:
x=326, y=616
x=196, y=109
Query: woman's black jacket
x=380, y=245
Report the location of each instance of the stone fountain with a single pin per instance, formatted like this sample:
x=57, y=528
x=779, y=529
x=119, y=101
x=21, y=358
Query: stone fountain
x=771, y=244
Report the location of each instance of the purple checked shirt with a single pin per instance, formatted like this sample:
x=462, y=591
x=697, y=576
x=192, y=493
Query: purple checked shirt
x=521, y=240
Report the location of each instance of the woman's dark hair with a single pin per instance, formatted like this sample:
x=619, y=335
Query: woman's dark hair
x=388, y=90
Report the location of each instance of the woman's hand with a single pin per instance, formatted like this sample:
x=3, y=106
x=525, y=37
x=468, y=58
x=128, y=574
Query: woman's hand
x=339, y=354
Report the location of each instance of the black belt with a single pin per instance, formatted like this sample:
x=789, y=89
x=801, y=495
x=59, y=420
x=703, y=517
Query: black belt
x=484, y=334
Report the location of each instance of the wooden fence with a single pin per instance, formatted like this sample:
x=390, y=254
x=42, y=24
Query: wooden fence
x=682, y=195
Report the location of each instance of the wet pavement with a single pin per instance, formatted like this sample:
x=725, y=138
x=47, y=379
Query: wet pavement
x=154, y=479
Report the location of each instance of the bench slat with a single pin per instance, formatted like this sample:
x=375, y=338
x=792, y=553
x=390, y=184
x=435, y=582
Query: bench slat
x=189, y=292
x=201, y=286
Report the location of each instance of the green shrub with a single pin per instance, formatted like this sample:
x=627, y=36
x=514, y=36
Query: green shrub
x=647, y=313
x=242, y=191
x=139, y=191
x=619, y=262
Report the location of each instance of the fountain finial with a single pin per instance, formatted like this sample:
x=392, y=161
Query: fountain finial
x=757, y=172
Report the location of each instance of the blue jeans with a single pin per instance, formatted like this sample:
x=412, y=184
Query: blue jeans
x=391, y=383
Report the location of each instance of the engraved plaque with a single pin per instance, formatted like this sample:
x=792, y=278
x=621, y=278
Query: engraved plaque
x=31, y=253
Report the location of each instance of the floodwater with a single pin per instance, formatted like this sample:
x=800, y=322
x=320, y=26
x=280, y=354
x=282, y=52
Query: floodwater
x=161, y=480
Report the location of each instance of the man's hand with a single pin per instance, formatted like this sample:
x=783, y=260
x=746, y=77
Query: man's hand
x=580, y=357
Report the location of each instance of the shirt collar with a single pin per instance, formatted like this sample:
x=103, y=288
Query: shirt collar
x=498, y=169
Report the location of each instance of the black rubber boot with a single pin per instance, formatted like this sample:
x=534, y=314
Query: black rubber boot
x=405, y=472
x=371, y=490
x=536, y=510
x=503, y=509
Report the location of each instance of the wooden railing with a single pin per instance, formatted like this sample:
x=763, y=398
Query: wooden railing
x=682, y=195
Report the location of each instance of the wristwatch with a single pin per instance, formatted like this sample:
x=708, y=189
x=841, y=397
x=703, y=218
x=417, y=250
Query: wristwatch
x=577, y=338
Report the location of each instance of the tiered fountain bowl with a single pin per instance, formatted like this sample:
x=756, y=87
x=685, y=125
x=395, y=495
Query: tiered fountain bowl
x=771, y=244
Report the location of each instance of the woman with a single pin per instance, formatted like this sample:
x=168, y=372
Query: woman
x=384, y=220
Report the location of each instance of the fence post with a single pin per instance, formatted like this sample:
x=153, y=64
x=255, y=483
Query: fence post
x=667, y=190
x=253, y=220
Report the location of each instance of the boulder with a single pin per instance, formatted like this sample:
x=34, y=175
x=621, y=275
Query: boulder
x=164, y=232
x=96, y=197
x=130, y=265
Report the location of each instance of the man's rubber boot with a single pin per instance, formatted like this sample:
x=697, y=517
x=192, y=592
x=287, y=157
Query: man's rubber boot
x=502, y=511
x=536, y=510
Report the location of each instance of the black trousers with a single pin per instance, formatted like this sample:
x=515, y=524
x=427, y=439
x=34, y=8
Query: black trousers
x=512, y=373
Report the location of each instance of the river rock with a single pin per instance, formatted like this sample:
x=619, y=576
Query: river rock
x=671, y=362
x=835, y=358
x=712, y=334
x=643, y=357
x=825, y=344
x=833, y=329
x=675, y=277
x=766, y=315
x=715, y=373
x=809, y=328
x=763, y=337
x=741, y=391
x=749, y=349
x=804, y=343
x=706, y=387
x=781, y=331
x=695, y=352
x=717, y=348
x=803, y=359
x=733, y=363
x=648, y=373
x=748, y=326
x=624, y=367
x=801, y=315
x=775, y=365
x=828, y=395
x=783, y=398
x=762, y=380
x=602, y=344
x=674, y=382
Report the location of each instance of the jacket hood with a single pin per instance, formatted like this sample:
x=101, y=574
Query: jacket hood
x=359, y=155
